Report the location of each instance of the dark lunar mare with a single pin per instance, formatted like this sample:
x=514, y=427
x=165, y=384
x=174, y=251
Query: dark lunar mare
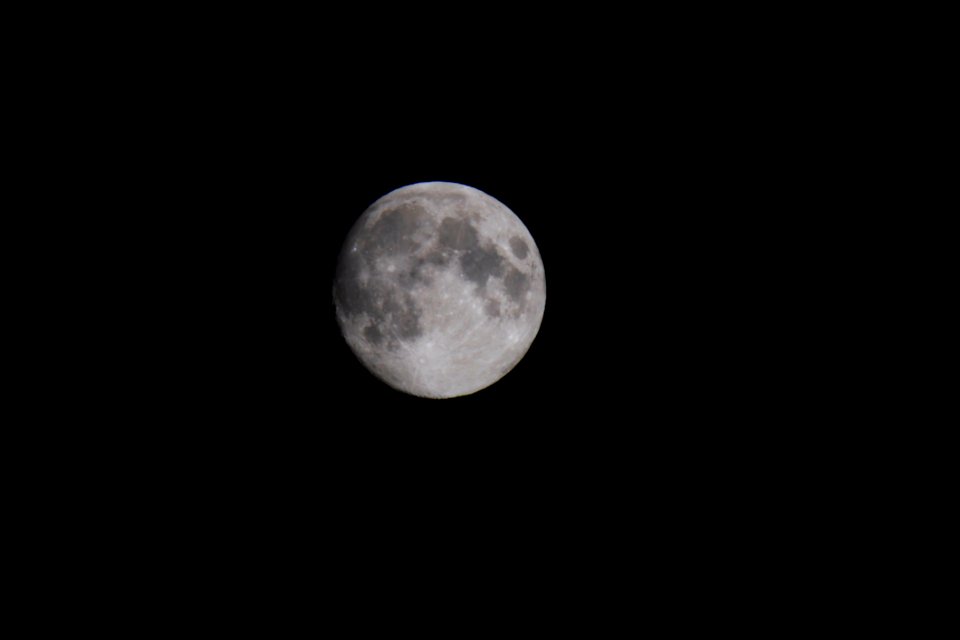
x=458, y=235
x=519, y=247
x=393, y=233
x=481, y=264
x=516, y=284
x=372, y=333
x=478, y=263
x=393, y=315
x=351, y=297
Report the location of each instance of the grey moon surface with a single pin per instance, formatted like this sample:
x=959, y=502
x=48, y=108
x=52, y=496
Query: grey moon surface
x=439, y=289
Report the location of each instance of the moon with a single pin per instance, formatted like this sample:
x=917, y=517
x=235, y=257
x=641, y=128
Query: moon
x=439, y=289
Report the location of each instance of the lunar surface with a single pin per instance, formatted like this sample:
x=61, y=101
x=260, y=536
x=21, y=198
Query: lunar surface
x=439, y=289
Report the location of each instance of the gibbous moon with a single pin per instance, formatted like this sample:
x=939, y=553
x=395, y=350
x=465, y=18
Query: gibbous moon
x=439, y=289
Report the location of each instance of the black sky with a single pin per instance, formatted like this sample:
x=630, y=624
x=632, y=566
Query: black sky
x=670, y=173
x=657, y=205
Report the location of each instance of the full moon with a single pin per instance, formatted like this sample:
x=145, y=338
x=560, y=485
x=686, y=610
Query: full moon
x=439, y=289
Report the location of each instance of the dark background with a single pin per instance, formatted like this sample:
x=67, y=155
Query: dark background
x=664, y=262
x=650, y=423
x=671, y=174
x=664, y=221
x=664, y=168
x=664, y=184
